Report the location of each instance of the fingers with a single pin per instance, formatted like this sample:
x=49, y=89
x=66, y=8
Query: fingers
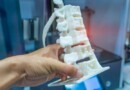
x=53, y=51
x=56, y=49
x=69, y=70
x=72, y=71
x=62, y=76
x=59, y=53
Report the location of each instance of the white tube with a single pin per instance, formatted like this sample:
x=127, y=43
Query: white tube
x=46, y=28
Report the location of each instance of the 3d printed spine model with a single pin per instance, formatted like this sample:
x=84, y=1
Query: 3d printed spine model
x=74, y=40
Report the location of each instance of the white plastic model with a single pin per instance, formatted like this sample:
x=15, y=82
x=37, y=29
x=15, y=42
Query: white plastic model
x=74, y=40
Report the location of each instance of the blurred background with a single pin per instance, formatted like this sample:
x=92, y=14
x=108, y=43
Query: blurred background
x=108, y=27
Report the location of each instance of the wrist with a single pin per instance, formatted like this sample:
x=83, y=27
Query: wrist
x=11, y=71
x=15, y=64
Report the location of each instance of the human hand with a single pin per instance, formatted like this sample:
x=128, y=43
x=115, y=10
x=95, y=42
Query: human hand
x=48, y=56
x=35, y=68
x=52, y=51
x=38, y=69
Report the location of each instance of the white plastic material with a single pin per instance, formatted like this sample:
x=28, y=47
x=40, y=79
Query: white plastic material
x=58, y=2
x=74, y=40
x=78, y=36
x=59, y=13
x=83, y=51
x=73, y=11
x=66, y=41
x=62, y=25
x=46, y=28
x=71, y=58
x=76, y=80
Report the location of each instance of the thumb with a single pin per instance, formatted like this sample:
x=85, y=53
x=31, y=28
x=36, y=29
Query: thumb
x=61, y=67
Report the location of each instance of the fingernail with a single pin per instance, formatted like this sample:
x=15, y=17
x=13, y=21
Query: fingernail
x=79, y=74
